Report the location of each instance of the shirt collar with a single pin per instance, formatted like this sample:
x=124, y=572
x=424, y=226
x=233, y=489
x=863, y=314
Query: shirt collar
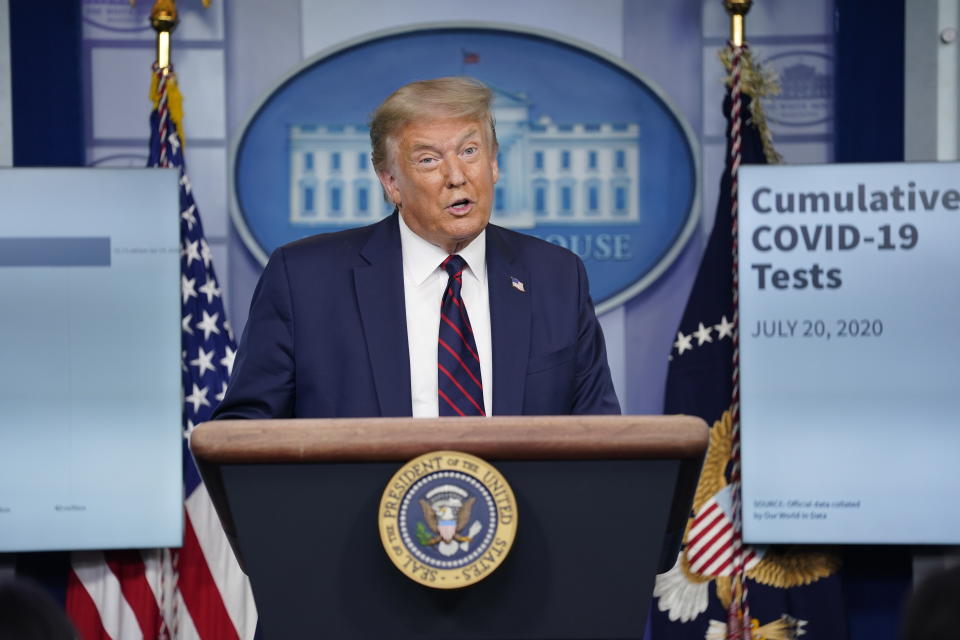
x=421, y=258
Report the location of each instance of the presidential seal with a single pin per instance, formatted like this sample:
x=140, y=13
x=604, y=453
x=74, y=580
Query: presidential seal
x=447, y=519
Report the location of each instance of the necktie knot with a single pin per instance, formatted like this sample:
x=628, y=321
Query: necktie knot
x=454, y=265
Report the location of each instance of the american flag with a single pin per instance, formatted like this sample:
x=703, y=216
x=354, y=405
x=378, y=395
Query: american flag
x=197, y=591
x=720, y=586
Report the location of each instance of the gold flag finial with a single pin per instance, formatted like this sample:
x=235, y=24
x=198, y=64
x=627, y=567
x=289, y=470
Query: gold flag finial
x=737, y=10
x=163, y=18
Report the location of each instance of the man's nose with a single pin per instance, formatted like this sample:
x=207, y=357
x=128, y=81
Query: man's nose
x=456, y=176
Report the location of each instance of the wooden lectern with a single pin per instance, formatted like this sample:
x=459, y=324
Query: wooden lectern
x=602, y=502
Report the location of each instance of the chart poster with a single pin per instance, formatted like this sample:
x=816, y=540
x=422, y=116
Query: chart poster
x=90, y=414
x=850, y=352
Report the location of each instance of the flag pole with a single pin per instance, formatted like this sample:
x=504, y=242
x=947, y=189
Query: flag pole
x=164, y=19
x=737, y=9
x=739, y=622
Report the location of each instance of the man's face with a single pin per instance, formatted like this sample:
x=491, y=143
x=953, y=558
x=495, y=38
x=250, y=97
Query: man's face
x=440, y=173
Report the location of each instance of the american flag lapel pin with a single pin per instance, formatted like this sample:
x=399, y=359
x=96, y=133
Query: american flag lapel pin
x=516, y=284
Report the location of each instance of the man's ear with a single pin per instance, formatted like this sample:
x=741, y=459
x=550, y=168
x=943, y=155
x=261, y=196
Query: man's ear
x=390, y=187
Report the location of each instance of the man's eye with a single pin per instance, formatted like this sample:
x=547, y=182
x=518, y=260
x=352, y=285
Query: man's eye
x=427, y=161
x=469, y=151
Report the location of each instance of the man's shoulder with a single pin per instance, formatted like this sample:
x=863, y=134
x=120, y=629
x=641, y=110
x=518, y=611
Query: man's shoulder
x=532, y=250
x=343, y=247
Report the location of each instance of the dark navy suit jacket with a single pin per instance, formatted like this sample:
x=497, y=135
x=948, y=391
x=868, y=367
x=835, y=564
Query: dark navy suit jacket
x=327, y=335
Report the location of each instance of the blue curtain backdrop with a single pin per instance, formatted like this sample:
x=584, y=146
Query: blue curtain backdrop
x=46, y=83
x=869, y=80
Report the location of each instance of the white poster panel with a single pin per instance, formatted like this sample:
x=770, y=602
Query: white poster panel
x=90, y=435
x=850, y=353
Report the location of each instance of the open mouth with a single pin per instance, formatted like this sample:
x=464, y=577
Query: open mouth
x=460, y=206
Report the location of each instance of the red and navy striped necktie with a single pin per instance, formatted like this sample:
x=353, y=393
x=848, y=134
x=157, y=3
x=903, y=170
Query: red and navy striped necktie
x=460, y=386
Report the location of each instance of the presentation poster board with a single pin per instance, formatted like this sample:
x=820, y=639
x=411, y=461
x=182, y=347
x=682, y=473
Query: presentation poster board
x=850, y=353
x=90, y=414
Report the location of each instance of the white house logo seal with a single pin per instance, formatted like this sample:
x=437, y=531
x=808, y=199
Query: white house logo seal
x=593, y=157
x=447, y=519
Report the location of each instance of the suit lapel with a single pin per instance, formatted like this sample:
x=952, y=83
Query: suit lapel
x=379, y=287
x=510, y=310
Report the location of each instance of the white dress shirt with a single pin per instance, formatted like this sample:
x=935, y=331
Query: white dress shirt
x=423, y=286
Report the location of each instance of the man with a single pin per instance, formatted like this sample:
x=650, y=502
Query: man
x=431, y=311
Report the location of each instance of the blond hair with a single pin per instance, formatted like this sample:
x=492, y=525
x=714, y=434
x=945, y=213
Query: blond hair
x=455, y=97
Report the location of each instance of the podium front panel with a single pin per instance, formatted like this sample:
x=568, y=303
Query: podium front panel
x=588, y=543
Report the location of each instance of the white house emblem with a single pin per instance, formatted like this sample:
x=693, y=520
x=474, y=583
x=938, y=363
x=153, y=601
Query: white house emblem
x=592, y=156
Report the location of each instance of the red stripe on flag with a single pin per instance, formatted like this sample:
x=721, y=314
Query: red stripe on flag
x=83, y=611
x=704, y=526
x=723, y=549
x=719, y=532
x=130, y=571
x=706, y=512
x=719, y=571
x=200, y=593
